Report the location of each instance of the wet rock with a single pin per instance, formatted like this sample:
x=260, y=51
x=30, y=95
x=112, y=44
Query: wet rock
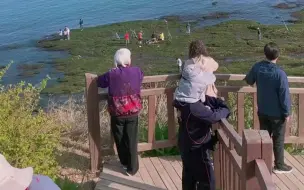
x=214, y=3
x=292, y=21
x=217, y=15
x=286, y=5
x=30, y=67
x=298, y=14
x=171, y=18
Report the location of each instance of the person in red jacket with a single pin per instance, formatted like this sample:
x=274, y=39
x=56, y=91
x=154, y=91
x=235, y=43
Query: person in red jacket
x=140, y=37
x=127, y=38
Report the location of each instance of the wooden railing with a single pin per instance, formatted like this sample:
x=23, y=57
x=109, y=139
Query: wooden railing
x=243, y=163
x=240, y=162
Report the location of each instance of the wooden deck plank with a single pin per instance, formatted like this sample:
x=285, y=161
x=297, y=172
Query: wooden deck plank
x=153, y=173
x=296, y=171
x=129, y=183
x=119, y=172
x=163, y=173
x=294, y=162
x=171, y=172
x=144, y=173
x=176, y=165
x=293, y=177
x=105, y=183
x=279, y=183
x=166, y=173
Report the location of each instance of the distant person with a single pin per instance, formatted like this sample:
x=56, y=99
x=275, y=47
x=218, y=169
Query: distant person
x=60, y=33
x=259, y=34
x=81, y=24
x=117, y=36
x=140, y=37
x=274, y=103
x=124, y=105
x=188, y=28
x=179, y=64
x=67, y=33
x=162, y=36
x=22, y=179
x=127, y=38
x=153, y=37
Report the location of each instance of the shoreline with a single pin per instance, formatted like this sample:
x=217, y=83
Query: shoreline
x=92, y=49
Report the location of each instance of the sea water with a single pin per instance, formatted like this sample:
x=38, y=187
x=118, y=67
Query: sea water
x=22, y=22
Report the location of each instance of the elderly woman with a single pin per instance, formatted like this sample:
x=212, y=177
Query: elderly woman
x=22, y=179
x=124, y=104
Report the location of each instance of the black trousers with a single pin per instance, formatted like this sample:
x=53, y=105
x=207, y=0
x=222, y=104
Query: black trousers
x=276, y=128
x=125, y=130
x=198, y=173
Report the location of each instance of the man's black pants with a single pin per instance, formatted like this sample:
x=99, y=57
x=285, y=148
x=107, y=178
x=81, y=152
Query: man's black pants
x=198, y=173
x=276, y=128
x=125, y=131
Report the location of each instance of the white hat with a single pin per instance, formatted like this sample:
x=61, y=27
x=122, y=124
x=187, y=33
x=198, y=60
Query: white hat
x=13, y=178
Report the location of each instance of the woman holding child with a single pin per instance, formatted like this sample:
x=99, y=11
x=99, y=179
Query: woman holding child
x=198, y=108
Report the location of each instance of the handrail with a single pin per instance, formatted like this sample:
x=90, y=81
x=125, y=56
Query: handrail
x=232, y=135
x=263, y=175
x=230, y=77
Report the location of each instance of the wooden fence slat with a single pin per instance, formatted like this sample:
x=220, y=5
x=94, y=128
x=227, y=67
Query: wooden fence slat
x=266, y=149
x=256, y=123
x=171, y=118
x=251, y=151
x=151, y=118
x=92, y=101
x=301, y=115
x=240, y=112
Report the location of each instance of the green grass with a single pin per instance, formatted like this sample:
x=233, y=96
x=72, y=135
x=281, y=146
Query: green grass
x=92, y=49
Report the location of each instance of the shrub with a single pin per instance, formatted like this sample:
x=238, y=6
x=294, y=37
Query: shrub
x=28, y=136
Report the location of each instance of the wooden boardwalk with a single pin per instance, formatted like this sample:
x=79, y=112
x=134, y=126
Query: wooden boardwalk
x=159, y=173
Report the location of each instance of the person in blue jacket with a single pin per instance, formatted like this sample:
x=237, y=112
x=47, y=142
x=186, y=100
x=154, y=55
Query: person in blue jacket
x=195, y=140
x=274, y=103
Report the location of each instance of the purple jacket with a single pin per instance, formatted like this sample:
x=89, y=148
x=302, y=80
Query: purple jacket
x=124, y=85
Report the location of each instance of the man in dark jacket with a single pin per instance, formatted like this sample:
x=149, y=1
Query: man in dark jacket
x=195, y=141
x=274, y=102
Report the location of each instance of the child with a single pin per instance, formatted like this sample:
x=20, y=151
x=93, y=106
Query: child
x=127, y=38
x=124, y=104
x=197, y=75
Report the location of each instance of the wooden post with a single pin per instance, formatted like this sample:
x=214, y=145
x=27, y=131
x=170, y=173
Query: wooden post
x=251, y=151
x=151, y=118
x=92, y=100
x=266, y=149
x=240, y=112
x=216, y=162
x=171, y=118
x=301, y=115
x=256, y=123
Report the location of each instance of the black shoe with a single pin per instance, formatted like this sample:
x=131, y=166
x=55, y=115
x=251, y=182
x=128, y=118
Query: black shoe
x=283, y=169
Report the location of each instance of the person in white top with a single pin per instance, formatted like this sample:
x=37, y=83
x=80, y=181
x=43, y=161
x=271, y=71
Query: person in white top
x=22, y=179
x=67, y=32
x=179, y=63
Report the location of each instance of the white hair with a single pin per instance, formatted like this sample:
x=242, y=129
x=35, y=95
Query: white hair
x=122, y=57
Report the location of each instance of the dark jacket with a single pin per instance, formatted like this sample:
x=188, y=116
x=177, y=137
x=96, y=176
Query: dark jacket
x=272, y=89
x=196, y=122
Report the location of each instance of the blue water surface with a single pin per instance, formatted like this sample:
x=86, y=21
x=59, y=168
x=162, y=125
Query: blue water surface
x=22, y=22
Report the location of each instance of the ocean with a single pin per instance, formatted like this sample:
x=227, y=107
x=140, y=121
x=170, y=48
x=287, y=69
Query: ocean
x=22, y=23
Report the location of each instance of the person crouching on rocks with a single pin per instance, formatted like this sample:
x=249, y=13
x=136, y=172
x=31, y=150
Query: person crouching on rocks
x=124, y=105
